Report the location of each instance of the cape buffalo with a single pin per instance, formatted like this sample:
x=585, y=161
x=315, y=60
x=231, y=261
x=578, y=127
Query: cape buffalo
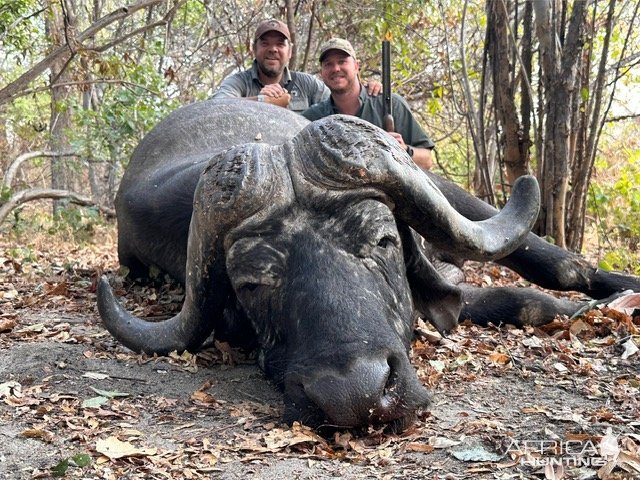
x=320, y=243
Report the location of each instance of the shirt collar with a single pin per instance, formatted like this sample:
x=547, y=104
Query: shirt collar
x=361, y=98
x=255, y=77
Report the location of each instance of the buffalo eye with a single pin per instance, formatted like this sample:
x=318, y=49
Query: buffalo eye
x=387, y=241
x=253, y=285
x=250, y=287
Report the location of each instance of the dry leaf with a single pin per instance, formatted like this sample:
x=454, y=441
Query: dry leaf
x=9, y=294
x=536, y=409
x=228, y=356
x=532, y=342
x=419, y=447
x=113, y=448
x=39, y=434
x=579, y=326
x=554, y=472
x=626, y=304
x=11, y=388
x=59, y=289
x=560, y=367
x=630, y=463
x=277, y=439
x=7, y=324
x=499, y=358
x=442, y=442
x=204, y=399
x=630, y=348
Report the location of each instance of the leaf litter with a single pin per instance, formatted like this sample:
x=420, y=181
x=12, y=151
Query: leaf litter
x=506, y=400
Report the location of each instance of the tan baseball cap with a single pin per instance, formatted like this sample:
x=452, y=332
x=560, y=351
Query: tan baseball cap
x=272, y=26
x=337, y=44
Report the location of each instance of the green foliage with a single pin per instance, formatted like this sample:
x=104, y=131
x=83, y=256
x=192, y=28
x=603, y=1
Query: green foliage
x=80, y=460
x=78, y=222
x=28, y=117
x=126, y=113
x=5, y=194
x=620, y=259
x=18, y=27
x=23, y=254
x=71, y=222
x=615, y=204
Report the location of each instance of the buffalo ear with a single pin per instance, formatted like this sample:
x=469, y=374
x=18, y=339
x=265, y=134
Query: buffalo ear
x=434, y=297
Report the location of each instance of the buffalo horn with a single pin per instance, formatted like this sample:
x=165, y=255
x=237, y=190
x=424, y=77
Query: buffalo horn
x=341, y=152
x=236, y=185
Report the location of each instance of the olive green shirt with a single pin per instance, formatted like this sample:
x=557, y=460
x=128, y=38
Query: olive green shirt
x=372, y=110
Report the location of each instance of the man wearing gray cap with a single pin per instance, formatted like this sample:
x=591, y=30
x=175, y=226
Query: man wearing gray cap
x=339, y=70
x=269, y=78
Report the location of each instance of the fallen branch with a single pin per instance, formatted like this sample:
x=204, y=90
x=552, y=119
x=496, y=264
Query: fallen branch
x=9, y=176
x=25, y=196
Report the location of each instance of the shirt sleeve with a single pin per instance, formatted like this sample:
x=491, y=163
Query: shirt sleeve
x=232, y=87
x=313, y=88
x=323, y=92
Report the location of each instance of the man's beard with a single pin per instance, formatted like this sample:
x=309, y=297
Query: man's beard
x=270, y=72
x=348, y=87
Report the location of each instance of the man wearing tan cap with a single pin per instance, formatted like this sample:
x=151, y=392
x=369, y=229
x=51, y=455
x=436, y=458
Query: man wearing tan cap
x=269, y=78
x=339, y=69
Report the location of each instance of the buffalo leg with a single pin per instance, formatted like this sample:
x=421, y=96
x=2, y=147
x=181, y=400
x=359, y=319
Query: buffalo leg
x=516, y=306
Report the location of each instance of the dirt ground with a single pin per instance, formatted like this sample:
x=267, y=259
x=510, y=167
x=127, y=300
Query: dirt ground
x=559, y=402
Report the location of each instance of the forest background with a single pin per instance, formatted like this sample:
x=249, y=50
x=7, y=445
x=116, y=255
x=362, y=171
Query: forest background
x=504, y=88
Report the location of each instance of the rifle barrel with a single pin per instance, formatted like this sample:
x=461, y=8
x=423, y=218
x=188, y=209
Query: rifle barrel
x=386, y=86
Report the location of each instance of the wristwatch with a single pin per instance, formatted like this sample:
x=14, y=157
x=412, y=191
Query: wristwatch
x=410, y=150
x=262, y=98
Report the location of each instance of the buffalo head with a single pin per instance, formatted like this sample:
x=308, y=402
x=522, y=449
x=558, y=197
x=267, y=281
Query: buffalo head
x=311, y=242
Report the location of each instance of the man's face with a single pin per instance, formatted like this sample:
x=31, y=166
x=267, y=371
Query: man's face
x=339, y=71
x=272, y=51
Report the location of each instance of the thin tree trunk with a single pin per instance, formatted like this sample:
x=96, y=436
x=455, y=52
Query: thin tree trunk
x=474, y=120
x=515, y=158
x=486, y=164
x=291, y=23
x=526, y=106
x=559, y=79
x=60, y=23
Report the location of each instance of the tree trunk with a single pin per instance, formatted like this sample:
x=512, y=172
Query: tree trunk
x=526, y=101
x=483, y=180
x=592, y=123
x=516, y=155
x=60, y=29
x=291, y=23
x=559, y=79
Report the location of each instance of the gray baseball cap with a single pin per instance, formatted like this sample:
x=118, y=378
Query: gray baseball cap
x=337, y=44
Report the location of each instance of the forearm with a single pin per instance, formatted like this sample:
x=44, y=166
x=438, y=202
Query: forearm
x=423, y=158
x=281, y=100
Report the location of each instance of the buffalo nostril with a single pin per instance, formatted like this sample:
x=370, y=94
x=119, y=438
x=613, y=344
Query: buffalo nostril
x=391, y=385
x=389, y=401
